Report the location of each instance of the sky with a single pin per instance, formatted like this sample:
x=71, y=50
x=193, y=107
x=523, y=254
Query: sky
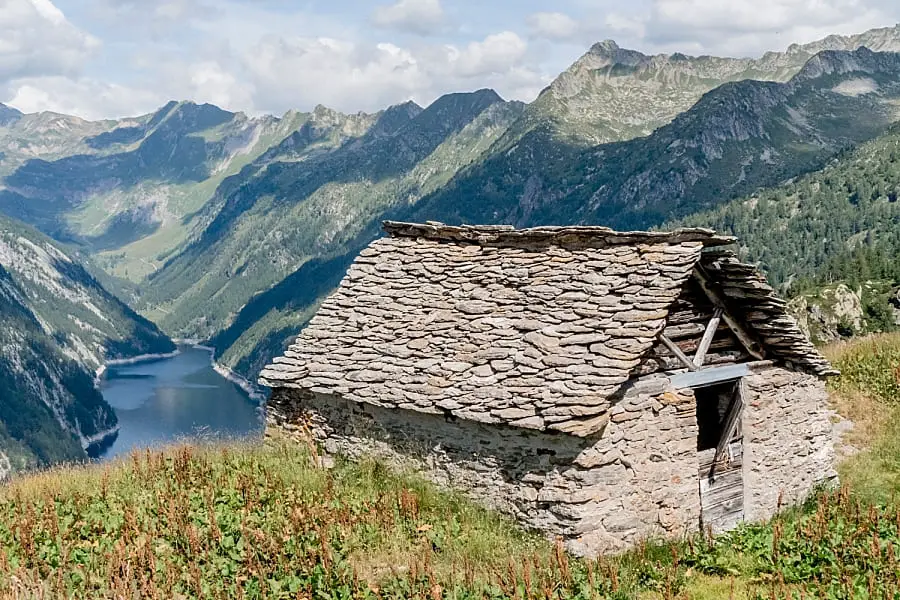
x=116, y=58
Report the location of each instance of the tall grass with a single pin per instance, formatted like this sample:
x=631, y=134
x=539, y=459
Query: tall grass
x=868, y=392
x=870, y=365
x=268, y=522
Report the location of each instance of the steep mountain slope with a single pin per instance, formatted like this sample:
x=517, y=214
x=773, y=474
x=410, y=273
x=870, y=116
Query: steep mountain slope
x=9, y=115
x=279, y=215
x=50, y=410
x=88, y=324
x=57, y=327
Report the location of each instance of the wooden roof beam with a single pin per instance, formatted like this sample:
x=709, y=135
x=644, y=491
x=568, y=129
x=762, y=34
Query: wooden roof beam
x=708, y=336
x=679, y=354
x=753, y=347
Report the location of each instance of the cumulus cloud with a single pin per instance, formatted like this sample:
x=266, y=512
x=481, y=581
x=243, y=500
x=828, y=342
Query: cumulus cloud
x=553, y=25
x=210, y=81
x=357, y=76
x=84, y=97
x=754, y=26
x=36, y=39
x=412, y=16
x=496, y=54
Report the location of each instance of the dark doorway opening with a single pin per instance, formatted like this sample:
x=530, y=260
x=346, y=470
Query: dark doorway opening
x=714, y=403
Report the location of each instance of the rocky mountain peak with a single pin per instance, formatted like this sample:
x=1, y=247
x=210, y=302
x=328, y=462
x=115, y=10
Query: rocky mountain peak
x=606, y=47
x=884, y=39
x=9, y=115
x=607, y=53
x=395, y=117
x=842, y=62
x=322, y=115
x=454, y=111
x=402, y=112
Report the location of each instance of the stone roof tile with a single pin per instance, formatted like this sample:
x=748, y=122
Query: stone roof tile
x=537, y=328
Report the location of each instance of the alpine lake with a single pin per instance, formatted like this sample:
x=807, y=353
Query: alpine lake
x=167, y=401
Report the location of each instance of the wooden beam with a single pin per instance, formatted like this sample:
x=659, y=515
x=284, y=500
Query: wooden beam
x=709, y=376
x=674, y=349
x=753, y=347
x=731, y=421
x=708, y=336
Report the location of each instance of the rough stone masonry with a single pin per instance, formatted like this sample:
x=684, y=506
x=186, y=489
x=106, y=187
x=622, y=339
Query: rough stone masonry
x=505, y=363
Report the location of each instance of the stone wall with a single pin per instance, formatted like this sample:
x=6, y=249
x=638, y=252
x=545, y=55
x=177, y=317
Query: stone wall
x=635, y=479
x=788, y=447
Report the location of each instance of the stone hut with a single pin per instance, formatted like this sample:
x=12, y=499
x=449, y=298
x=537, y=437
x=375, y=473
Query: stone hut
x=600, y=386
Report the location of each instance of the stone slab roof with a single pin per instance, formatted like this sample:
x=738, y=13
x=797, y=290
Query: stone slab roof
x=535, y=328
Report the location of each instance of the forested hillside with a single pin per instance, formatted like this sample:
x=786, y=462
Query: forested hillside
x=839, y=224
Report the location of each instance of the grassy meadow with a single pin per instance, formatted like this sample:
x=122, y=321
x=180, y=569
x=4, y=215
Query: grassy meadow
x=269, y=522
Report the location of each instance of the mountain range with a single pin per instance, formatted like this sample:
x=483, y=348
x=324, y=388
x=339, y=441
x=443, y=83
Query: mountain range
x=226, y=228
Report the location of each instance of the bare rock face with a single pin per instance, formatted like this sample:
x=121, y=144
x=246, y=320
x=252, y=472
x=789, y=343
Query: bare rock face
x=5, y=466
x=829, y=314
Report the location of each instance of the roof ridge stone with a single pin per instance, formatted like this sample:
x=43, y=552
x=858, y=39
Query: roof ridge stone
x=585, y=236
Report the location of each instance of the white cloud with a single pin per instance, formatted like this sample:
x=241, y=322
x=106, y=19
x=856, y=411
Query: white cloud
x=36, y=39
x=87, y=98
x=292, y=72
x=413, y=16
x=553, y=26
x=307, y=71
x=629, y=26
x=213, y=83
x=136, y=11
x=202, y=81
x=754, y=26
x=560, y=28
x=496, y=54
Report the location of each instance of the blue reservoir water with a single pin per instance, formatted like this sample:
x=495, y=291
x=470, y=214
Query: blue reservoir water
x=175, y=399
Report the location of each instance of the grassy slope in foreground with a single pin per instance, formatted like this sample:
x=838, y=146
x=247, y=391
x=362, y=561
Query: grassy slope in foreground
x=268, y=523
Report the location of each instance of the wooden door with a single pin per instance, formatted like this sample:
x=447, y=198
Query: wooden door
x=722, y=488
x=720, y=471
